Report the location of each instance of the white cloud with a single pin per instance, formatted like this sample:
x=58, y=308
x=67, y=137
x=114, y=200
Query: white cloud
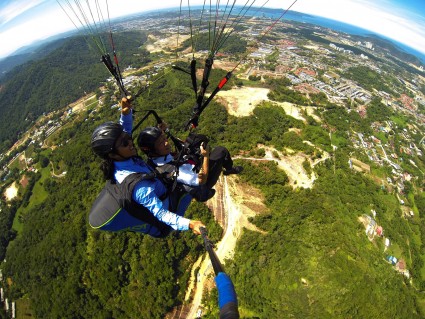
x=31, y=28
x=15, y=9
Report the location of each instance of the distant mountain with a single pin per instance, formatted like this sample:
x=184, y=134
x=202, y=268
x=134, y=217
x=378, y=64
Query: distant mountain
x=32, y=52
x=392, y=49
x=10, y=62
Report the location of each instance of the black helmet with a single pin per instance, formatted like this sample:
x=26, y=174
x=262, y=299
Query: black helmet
x=148, y=136
x=104, y=137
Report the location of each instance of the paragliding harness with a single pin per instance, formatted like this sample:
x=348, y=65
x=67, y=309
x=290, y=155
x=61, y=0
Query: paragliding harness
x=115, y=210
x=191, y=151
x=188, y=151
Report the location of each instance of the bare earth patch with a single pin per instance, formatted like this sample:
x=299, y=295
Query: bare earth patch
x=165, y=44
x=241, y=101
x=238, y=205
x=24, y=181
x=295, y=111
x=83, y=102
x=224, y=65
x=293, y=167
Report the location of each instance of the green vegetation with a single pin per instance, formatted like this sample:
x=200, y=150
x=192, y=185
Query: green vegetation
x=254, y=78
x=307, y=167
x=367, y=78
x=34, y=195
x=312, y=258
x=400, y=120
x=281, y=93
x=203, y=42
x=6, y=231
x=382, y=137
x=315, y=253
x=319, y=99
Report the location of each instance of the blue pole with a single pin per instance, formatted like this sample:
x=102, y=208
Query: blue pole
x=227, y=300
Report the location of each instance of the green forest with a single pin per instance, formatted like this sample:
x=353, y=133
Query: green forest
x=312, y=258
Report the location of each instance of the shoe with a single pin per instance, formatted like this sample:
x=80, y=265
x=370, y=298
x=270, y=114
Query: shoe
x=203, y=196
x=233, y=170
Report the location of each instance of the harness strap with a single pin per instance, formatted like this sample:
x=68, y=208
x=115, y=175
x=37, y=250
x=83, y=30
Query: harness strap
x=137, y=210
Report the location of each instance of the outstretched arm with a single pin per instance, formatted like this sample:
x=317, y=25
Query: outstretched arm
x=126, y=119
x=144, y=194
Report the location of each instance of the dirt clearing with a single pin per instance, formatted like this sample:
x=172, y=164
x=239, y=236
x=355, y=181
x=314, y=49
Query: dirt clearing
x=83, y=102
x=241, y=101
x=165, y=44
x=240, y=202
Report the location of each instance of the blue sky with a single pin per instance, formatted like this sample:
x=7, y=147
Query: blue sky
x=23, y=22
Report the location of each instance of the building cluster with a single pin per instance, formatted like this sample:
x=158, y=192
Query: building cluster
x=337, y=90
x=310, y=73
x=312, y=58
x=366, y=44
x=373, y=232
x=337, y=48
x=385, y=154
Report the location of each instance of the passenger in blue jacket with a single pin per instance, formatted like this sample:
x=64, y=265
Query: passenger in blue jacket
x=114, y=144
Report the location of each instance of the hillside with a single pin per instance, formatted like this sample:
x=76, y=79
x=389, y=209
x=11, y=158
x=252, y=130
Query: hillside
x=30, y=53
x=54, y=81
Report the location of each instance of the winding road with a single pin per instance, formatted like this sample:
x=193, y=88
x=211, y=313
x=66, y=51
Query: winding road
x=233, y=205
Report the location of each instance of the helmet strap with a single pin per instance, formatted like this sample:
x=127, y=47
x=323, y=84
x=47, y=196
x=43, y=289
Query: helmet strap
x=117, y=157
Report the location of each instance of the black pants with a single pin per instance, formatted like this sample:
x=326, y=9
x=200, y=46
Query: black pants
x=219, y=158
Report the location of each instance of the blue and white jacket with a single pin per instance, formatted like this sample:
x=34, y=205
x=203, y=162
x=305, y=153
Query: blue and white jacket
x=147, y=192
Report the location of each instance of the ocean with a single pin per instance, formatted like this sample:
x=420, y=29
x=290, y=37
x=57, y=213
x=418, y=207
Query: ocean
x=316, y=20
